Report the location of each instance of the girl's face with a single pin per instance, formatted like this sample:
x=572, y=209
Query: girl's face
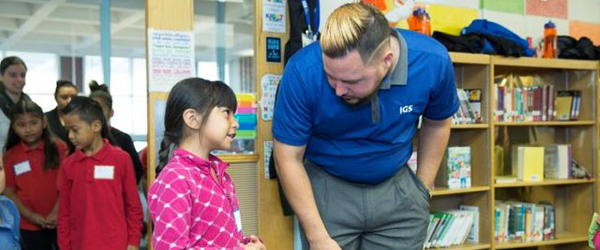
x=64, y=96
x=29, y=128
x=14, y=78
x=82, y=133
x=220, y=129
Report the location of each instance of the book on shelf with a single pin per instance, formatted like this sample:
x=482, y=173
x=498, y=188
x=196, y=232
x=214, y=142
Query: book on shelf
x=469, y=111
x=451, y=228
x=523, y=222
x=528, y=162
x=567, y=105
x=473, y=236
x=506, y=179
x=474, y=97
x=457, y=173
x=557, y=161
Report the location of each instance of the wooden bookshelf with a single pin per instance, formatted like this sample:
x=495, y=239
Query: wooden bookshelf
x=449, y=191
x=239, y=158
x=574, y=199
x=471, y=126
x=563, y=238
x=466, y=246
x=550, y=123
x=546, y=182
x=538, y=63
x=466, y=58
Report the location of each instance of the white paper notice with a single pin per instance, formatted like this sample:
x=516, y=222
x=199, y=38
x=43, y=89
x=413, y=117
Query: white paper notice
x=171, y=55
x=273, y=16
x=268, y=148
x=268, y=84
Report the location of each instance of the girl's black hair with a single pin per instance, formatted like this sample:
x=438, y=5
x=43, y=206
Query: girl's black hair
x=62, y=84
x=25, y=106
x=192, y=93
x=101, y=91
x=89, y=111
x=9, y=61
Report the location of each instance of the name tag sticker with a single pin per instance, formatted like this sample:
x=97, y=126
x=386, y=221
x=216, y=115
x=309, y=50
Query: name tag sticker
x=238, y=219
x=104, y=172
x=22, y=168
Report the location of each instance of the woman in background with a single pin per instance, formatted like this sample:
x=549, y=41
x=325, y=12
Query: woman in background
x=12, y=81
x=64, y=92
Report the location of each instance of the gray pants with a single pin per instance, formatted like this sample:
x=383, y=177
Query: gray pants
x=390, y=215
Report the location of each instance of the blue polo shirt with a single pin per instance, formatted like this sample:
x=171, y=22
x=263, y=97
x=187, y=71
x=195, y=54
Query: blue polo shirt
x=371, y=142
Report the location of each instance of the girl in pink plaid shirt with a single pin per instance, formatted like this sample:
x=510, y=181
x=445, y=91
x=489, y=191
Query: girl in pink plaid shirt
x=192, y=201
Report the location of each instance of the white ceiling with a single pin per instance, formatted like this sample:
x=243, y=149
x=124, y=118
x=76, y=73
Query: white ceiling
x=72, y=27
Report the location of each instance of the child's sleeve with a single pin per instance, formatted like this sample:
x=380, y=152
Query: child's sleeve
x=64, y=205
x=133, y=206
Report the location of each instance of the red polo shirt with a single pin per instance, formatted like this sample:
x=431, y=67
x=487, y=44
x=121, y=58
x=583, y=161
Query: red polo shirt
x=99, y=206
x=36, y=188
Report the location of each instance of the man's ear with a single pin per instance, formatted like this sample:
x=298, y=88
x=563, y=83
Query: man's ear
x=192, y=119
x=387, y=59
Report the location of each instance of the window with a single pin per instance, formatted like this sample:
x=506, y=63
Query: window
x=128, y=89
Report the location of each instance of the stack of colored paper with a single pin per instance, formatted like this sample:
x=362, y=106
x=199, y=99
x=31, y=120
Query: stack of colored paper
x=246, y=116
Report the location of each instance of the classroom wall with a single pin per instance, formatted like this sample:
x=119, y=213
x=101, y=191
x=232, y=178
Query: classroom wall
x=575, y=18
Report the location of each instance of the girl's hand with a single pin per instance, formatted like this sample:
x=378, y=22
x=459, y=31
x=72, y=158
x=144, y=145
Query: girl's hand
x=255, y=239
x=36, y=219
x=253, y=246
x=51, y=219
x=130, y=247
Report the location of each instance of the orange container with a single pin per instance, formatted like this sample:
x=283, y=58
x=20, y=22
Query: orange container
x=419, y=22
x=549, y=49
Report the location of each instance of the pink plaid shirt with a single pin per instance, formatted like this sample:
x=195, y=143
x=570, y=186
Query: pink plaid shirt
x=190, y=209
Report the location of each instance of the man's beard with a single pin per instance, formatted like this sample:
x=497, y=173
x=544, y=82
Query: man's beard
x=364, y=100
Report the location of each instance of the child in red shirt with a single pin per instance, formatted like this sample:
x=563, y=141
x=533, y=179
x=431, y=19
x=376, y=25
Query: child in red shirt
x=99, y=206
x=32, y=159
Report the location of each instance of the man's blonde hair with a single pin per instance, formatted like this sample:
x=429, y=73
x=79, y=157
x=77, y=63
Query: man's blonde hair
x=355, y=26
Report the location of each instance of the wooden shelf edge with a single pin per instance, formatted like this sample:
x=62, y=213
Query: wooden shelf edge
x=469, y=58
x=545, y=183
x=471, y=126
x=544, y=63
x=553, y=123
x=239, y=158
x=560, y=239
x=449, y=191
x=466, y=246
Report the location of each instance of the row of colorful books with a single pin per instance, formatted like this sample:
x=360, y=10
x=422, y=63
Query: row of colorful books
x=535, y=103
x=453, y=227
x=469, y=111
x=524, y=222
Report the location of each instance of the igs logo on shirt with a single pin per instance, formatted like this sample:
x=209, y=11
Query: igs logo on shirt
x=406, y=109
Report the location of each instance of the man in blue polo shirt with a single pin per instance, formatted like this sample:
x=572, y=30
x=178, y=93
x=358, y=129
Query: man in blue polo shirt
x=346, y=113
